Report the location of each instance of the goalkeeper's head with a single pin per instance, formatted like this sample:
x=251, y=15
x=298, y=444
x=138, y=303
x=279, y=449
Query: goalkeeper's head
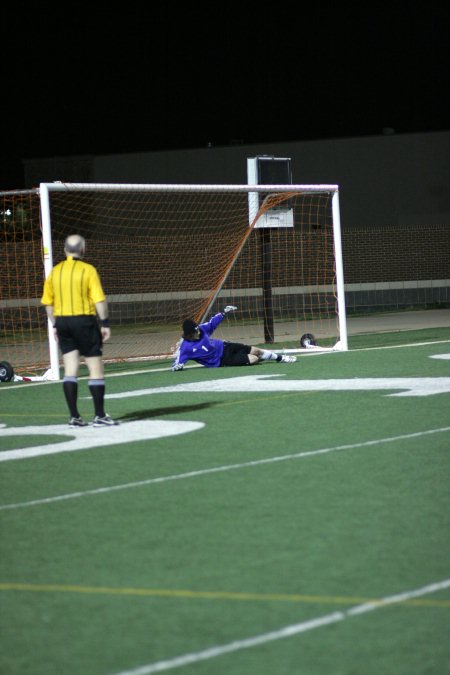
x=190, y=329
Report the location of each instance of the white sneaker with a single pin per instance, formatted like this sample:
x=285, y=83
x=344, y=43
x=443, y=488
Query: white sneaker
x=285, y=358
x=105, y=421
x=77, y=422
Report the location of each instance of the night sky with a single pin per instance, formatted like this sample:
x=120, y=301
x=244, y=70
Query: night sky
x=80, y=81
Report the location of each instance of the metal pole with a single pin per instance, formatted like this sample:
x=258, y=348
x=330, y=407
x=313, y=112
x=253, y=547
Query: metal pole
x=267, y=284
x=48, y=264
x=339, y=271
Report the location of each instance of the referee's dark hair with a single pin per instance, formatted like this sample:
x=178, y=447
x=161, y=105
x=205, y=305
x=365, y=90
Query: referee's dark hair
x=74, y=243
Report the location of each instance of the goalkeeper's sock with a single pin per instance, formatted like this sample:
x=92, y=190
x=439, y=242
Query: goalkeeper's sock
x=97, y=389
x=270, y=356
x=70, y=388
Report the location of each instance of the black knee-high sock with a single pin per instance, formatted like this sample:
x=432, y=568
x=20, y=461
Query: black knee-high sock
x=70, y=388
x=97, y=389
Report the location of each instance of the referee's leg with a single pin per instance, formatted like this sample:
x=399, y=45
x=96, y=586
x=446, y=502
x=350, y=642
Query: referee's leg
x=97, y=384
x=71, y=361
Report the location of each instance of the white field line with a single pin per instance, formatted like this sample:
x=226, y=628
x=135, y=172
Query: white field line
x=415, y=344
x=303, y=352
x=220, y=469
x=285, y=632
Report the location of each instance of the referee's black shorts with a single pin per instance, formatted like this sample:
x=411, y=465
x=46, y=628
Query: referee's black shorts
x=235, y=354
x=80, y=333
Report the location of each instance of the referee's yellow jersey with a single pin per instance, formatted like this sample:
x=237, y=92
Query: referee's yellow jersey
x=73, y=287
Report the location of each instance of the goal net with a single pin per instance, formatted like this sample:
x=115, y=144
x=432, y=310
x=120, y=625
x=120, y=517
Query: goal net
x=170, y=252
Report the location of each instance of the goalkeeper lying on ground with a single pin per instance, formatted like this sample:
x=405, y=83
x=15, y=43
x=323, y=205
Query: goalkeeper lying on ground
x=197, y=345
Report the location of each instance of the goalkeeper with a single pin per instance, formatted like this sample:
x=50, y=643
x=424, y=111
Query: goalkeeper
x=198, y=345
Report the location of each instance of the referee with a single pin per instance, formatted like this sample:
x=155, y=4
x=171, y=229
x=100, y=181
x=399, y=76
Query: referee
x=73, y=297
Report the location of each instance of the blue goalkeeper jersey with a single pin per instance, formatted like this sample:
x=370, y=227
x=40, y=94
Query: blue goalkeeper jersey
x=206, y=350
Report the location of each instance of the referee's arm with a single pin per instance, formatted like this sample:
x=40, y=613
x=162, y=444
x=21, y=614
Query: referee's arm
x=102, y=312
x=51, y=315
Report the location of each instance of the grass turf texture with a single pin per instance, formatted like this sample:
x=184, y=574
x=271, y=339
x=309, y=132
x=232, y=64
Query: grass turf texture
x=108, y=582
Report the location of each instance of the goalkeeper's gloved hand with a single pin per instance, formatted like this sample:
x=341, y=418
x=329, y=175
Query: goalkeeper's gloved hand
x=178, y=366
x=228, y=308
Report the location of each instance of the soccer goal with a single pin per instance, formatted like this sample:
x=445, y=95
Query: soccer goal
x=170, y=252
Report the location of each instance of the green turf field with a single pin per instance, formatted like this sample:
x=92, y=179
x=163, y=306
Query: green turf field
x=284, y=519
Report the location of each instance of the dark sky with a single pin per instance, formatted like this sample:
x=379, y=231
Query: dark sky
x=104, y=81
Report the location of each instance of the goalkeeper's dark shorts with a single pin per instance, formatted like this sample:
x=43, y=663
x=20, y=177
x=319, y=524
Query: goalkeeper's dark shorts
x=80, y=333
x=235, y=354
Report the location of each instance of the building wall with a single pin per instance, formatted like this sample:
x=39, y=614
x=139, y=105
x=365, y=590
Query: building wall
x=384, y=180
x=394, y=201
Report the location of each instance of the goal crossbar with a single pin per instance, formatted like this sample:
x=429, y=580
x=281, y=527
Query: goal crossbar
x=185, y=187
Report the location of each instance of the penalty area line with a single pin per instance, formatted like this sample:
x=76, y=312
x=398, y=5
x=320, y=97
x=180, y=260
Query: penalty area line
x=220, y=469
x=285, y=632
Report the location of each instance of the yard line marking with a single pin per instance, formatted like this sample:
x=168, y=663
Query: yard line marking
x=413, y=344
x=219, y=469
x=268, y=382
x=186, y=594
x=79, y=440
x=220, y=650
x=286, y=631
x=164, y=369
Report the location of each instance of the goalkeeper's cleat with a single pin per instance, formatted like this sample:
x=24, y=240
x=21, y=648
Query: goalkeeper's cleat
x=77, y=422
x=105, y=421
x=285, y=358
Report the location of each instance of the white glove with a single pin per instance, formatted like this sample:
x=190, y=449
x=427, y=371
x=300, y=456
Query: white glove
x=228, y=308
x=178, y=366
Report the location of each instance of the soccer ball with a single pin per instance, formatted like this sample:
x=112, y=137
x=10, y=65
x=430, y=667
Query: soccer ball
x=6, y=371
x=307, y=340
